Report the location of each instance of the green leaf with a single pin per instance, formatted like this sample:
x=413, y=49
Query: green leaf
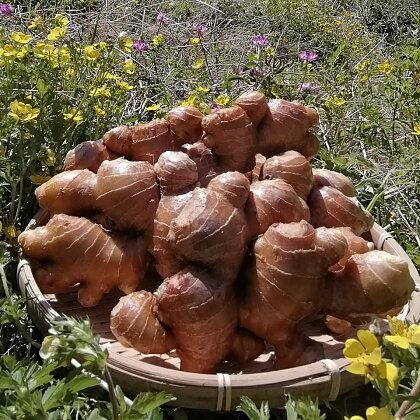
x=248, y=407
x=81, y=382
x=291, y=410
x=145, y=402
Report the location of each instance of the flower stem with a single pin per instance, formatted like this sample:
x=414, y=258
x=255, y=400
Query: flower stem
x=408, y=403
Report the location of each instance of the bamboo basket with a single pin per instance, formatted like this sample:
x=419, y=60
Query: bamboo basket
x=134, y=372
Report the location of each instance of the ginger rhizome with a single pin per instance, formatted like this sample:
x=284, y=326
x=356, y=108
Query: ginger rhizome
x=244, y=237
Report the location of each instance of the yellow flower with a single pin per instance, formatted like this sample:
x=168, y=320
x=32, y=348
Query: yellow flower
x=63, y=55
x=45, y=50
x=199, y=63
x=22, y=112
x=334, y=101
x=23, y=52
x=401, y=336
x=20, y=37
x=190, y=101
x=129, y=67
x=50, y=158
x=99, y=111
x=111, y=76
x=385, y=67
x=125, y=86
x=416, y=130
x=194, y=40
x=8, y=50
x=61, y=21
x=201, y=89
x=375, y=413
x=91, y=53
x=362, y=65
x=39, y=179
x=269, y=51
x=157, y=40
x=102, y=45
x=222, y=100
x=57, y=33
x=153, y=107
x=68, y=74
x=74, y=115
x=101, y=91
x=366, y=359
x=353, y=418
x=125, y=43
x=389, y=372
x=10, y=232
x=35, y=23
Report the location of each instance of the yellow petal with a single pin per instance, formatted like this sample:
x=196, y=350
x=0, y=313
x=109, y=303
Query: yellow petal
x=352, y=349
x=389, y=372
x=199, y=63
x=375, y=357
x=357, y=368
x=153, y=107
x=376, y=413
x=368, y=339
x=398, y=340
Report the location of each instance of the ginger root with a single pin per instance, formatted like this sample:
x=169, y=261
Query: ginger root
x=125, y=194
x=66, y=247
x=245, y=240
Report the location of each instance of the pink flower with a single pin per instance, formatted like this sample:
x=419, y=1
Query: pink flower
x=308, y=56
x=260, y=40
x=215, y=106
x=308, y=87
x=6, y=9
x=199, y=28
x=256, y=74
x=140, y=45
x=161, y=17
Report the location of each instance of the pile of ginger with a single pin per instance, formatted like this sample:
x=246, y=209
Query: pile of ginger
x=247, y=239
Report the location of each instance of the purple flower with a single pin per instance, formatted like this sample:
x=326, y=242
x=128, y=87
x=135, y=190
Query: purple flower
x=161, y=17
x=199, y=28
x=260, y=41
x=308, y=56
x=256, y=74
x=239, y=70
x=140, y=45
x=214, y=106
x=308, y=87
x=6, y=9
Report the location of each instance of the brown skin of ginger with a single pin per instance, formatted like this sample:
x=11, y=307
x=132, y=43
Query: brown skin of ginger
x=202, y=314
x=254, y=104
x=293, y=168
x=324, y=178
x=245, y=346
x=134, y=323
x=88, y=155
x=272, y=201
x=66, y=247
x=284, y=283
x=355, y=245
x=231, y=136
x=148, y=141
x=124, y=194
x=284, y=127
x=211, y=228
x=331, y=208
x=177, y=175
x=370, y=283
